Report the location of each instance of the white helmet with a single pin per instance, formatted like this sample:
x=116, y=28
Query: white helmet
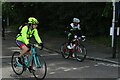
x=76, y=20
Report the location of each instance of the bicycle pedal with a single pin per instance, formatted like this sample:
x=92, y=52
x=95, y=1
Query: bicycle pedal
x=39, y=67
x=15, y=65
x=31, y=70
x=24, y=69
x=78, y=59
x=70, y=57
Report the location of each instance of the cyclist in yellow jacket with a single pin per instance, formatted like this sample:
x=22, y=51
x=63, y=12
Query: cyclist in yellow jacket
x=23, y=38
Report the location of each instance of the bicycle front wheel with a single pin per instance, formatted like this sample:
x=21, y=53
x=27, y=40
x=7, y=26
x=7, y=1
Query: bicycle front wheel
x=80, y=53
x=64, y=51
x=16, y=66
x=40, y=68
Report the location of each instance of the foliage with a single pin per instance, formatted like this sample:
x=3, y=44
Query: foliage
x=95, y=17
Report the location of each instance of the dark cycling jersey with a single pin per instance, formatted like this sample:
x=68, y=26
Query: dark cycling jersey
x=74, y=30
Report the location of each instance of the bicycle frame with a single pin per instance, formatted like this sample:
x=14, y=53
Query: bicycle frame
x=33, y=57
x=76, y=41
x=74, y=49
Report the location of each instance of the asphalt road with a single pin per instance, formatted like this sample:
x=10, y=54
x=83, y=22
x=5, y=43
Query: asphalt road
x=58, y=67
x=66, y=68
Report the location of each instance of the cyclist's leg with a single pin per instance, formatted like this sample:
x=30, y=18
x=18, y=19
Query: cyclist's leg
x=24, y=49
x=70, y=37
x=29, y=53
x=31, y=62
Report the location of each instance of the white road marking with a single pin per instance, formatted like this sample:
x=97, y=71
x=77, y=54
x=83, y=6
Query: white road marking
x=52, y=73
x=53, y=54
x=109, y=65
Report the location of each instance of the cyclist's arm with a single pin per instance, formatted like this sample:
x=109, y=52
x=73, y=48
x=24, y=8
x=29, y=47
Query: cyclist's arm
x=37, y=38
x=24, y=35
x=79, y=28
x=69, y=29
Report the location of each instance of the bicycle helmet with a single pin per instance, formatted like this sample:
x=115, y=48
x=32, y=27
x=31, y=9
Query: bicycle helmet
x=32, y=20
x=76, y=20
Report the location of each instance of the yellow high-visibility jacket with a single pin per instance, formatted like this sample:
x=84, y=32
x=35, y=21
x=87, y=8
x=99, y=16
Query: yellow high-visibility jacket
x=26, y=33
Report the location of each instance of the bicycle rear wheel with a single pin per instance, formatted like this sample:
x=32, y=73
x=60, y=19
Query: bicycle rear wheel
x=40, y=69
x=16, y=66
x=65, y=51
x=80, y=52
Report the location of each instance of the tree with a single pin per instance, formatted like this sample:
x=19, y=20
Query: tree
x=95, y=16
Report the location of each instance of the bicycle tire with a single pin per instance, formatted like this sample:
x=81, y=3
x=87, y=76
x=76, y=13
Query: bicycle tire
x=64, y=51
x=80, y=52
x=41, y=71
x=14, y=64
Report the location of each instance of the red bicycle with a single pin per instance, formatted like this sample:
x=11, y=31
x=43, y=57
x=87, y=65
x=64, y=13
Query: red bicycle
x=76, y=49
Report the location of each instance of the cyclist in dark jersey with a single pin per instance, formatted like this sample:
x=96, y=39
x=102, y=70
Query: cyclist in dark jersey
x=73, y=29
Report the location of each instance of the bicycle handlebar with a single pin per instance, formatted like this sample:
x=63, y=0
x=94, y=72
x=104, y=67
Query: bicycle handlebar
x=36, y=45
x=80, y=38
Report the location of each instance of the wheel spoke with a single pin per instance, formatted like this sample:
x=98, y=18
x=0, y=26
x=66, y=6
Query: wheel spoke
x=81, y=52
x=65, y=51
x=17, y=67
x=41, y=69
